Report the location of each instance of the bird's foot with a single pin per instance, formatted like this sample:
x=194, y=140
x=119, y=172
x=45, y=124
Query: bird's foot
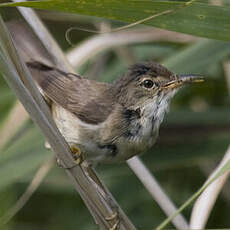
x=77, y=154
x=114, y=217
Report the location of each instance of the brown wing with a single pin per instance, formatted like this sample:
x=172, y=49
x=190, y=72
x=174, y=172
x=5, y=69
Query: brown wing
x=89, y=100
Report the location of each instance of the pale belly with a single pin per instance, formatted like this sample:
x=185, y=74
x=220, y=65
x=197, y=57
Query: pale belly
x=85, y=137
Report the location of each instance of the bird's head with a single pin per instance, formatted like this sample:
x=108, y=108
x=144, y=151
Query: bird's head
x=149, y=87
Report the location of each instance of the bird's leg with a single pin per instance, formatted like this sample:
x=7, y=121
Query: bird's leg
x=77, y=154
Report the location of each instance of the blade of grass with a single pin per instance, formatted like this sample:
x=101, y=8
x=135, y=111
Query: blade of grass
x=204, y=204
x=200, y=54
x=225, y=168
x=154, y=188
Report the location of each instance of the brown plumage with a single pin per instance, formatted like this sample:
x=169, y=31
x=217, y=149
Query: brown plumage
x=89, y=100
x=80, y=96
x=107, y=122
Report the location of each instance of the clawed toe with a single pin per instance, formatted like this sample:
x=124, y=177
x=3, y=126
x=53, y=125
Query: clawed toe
x=77, y=154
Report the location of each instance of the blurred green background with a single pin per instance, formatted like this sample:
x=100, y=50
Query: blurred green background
x=193, y=137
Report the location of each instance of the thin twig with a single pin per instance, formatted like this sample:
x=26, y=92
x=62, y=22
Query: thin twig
x=143, y=20
x=204, y=204
x=33, y=186
x=110, y=30
x=130, y=25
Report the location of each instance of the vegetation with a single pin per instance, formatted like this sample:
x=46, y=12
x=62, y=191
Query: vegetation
x=193, y=138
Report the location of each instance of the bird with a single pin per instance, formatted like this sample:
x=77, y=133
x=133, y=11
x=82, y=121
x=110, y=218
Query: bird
x=109, y=122
x=102, y=122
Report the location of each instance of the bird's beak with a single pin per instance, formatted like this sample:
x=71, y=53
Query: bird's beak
x=180, y=80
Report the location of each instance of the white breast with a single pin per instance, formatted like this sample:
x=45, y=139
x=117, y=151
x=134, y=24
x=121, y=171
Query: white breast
x=76, y=132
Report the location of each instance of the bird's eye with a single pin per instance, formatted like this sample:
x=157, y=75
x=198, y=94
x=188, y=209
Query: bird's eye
x=148, y=84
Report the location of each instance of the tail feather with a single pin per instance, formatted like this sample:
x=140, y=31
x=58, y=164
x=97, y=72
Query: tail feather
x=27, y=44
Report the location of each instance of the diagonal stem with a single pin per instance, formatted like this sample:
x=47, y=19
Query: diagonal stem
x=154, y=188
x=40, y=113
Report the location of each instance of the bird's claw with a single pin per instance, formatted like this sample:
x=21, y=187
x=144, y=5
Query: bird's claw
x=77, y=154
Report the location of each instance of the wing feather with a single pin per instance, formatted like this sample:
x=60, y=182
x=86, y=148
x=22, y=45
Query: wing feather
x=89, y=100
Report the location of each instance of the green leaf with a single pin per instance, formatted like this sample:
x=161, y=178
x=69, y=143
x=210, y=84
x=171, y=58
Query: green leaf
x=196, y=18
x=202, y=57
x=221, y=171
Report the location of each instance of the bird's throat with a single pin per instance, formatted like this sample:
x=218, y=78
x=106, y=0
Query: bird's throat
x=151, y=116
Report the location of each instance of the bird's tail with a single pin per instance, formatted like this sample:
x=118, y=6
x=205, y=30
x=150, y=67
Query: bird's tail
x=27, y=44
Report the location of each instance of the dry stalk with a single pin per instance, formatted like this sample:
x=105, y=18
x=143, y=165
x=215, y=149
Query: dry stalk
x=60, y=60
x=97, y=202
x=155, y=35
x=98, y=43
x=143, y=173
x=154, y=188
x=204, y=204
x=102, y=42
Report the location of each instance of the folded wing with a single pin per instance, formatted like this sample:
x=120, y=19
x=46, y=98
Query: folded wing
x=89, y=100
